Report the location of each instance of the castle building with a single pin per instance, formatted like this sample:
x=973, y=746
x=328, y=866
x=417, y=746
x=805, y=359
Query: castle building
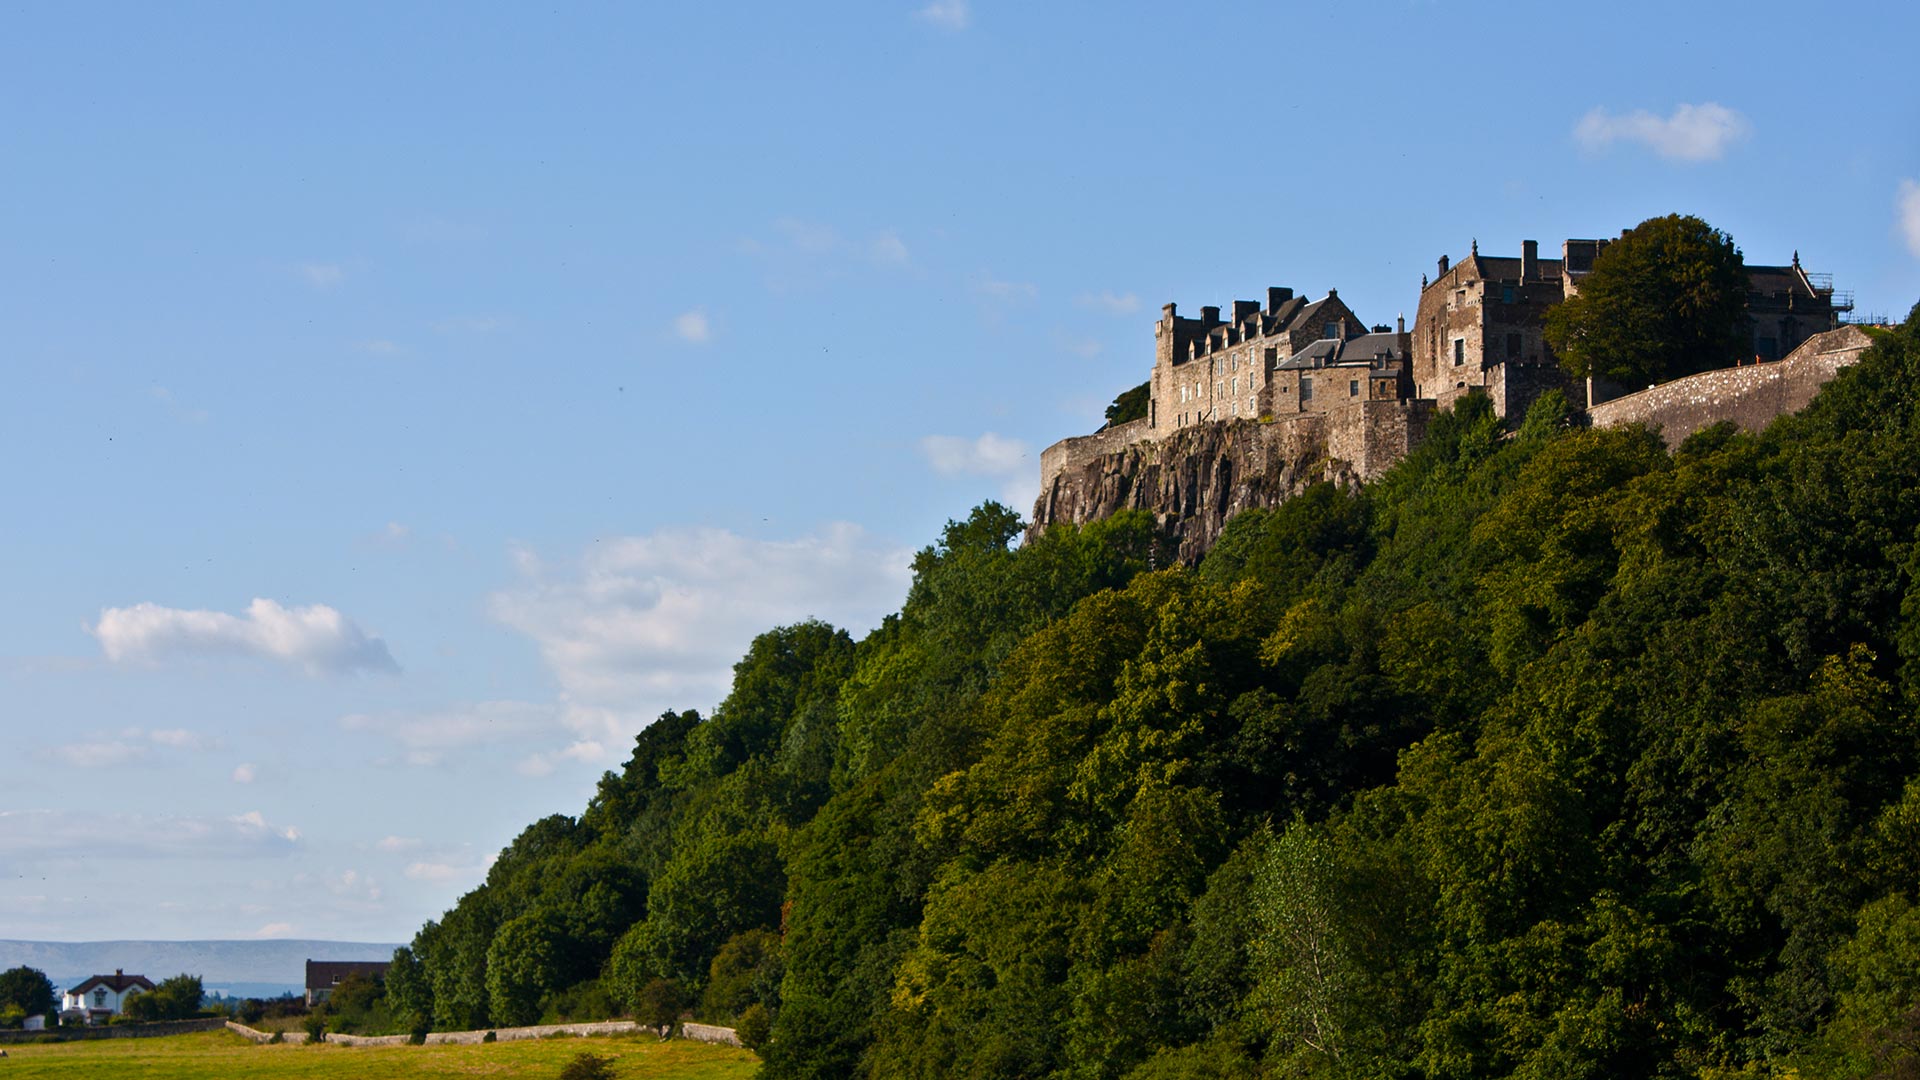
x=1332, y=372
x=1210, y=368
x=1479, y=326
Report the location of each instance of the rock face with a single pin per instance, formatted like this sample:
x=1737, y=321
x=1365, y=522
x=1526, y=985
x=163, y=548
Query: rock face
x=1192, y=480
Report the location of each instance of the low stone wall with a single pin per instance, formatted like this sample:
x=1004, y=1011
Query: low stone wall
x=710, y=1033
x=1749, y=396
x=605, y=1027
x=245, y=1032
x=367, y=1040
x=153, y=1030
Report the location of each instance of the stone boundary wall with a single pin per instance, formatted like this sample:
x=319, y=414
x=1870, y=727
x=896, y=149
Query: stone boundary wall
x=1749, y=396
x=541, y=1031
x=153, y=1030
x=604, y=1027
x=245, y=1032
x=710, y=1033
x=1077, y=452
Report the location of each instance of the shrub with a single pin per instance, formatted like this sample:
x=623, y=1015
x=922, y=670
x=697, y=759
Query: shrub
x=753, y=1026
x=277, y=1039
x=316, y=1027
x=588, y=1065
x=489, y=1037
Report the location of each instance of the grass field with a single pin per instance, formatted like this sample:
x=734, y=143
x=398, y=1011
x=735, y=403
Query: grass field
x=220, y=1054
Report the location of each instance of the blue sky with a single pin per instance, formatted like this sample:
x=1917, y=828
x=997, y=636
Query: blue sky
x=402, y=404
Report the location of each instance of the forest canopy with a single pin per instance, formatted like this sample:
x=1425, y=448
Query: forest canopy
x=1550, y=754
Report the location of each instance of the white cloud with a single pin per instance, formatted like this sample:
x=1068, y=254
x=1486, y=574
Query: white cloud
x=1909, y=207
x=316, y=637
x=180, y=412
x=993, y=288
x=439, y=873
x=69, y=834
x=380, y=347
x=428, y=737
x=323, y=275
x=888, y=249
x=950, y=14
x=244, y=774
x=1693, y=133
x=991, y=455
x=542, y=764
x=95, y=753
x=131, y=744
x=1123, y=304
x=692, y=326
x=274, y=930
x=641, y=624
x=808, y=237
x=393, y=845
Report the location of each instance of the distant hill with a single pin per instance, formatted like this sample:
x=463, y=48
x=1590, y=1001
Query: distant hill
x=236, y=968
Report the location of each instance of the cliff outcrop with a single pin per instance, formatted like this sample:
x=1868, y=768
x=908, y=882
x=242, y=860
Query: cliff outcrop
x=1194, y=479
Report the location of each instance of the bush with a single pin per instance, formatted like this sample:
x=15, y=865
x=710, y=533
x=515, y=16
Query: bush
x=753, y=1026
x=489, y=1037
x=277, y=1039
x=316, y=1027
x=588, y=1066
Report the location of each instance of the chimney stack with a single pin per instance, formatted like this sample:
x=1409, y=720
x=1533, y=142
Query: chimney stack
x=1529, y=260
x=1209, y=317
x=1276, y=297
x=1443, y=266
x=1402, y=324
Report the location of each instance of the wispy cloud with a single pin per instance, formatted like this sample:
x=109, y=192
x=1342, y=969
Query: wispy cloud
x=69, y=834
x=245, y=774
x=888, y=249
x=1109, y=302
x=948, y=14
x=316, y=637
x=180, y=411
x=1693, y=133
x=323, y=275
x=997, y=289
x=470, y=324
x=129, y=744
x=1908, y=207
x=429, y=737
x=379, y=347
x=692, y=327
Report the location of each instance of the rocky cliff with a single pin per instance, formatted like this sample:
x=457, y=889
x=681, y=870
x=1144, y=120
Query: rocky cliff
x=1192, y=480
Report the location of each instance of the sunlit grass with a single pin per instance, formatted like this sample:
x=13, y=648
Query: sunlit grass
x=222, y=1054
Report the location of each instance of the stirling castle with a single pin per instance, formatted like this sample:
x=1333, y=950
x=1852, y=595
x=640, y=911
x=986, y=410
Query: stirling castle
x=1249, y=408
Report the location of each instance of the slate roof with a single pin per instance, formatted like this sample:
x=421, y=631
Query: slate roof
x=116, y=982
x=1364, y=349
x=324, y=974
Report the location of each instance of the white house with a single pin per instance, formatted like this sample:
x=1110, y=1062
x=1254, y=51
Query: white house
x=103, y=996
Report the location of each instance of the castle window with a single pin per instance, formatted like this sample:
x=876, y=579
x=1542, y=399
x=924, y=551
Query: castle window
x=1306, y=388
x=1236, y=383
x=1506, y=294
x=1333, y=330
x=1250, y=406
x=1459, y=351
x=1353, y=387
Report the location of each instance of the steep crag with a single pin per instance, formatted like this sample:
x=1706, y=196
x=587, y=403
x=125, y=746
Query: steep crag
x=1193, y=480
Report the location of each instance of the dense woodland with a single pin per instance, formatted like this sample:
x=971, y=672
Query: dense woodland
x=1551, y=754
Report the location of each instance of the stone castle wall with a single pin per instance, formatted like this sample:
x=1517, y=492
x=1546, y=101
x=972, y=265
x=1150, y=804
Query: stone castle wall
x=1750, y=396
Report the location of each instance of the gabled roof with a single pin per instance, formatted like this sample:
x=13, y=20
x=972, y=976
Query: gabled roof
x=1769, y=280
x=323, y=974
x=1354, y=351
x=116, y=982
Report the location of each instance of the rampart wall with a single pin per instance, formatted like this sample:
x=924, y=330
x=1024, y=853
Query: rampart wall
x=1749, y=396
x=1077, y=452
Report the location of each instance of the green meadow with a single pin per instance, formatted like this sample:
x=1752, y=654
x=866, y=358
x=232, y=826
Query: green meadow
x=220, y=1054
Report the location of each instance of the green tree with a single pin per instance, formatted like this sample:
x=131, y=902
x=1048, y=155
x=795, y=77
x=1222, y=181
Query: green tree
x=1668, y=298
x=177, y=998
x=1130, y=405
x=28, y=988
x=523, y=966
